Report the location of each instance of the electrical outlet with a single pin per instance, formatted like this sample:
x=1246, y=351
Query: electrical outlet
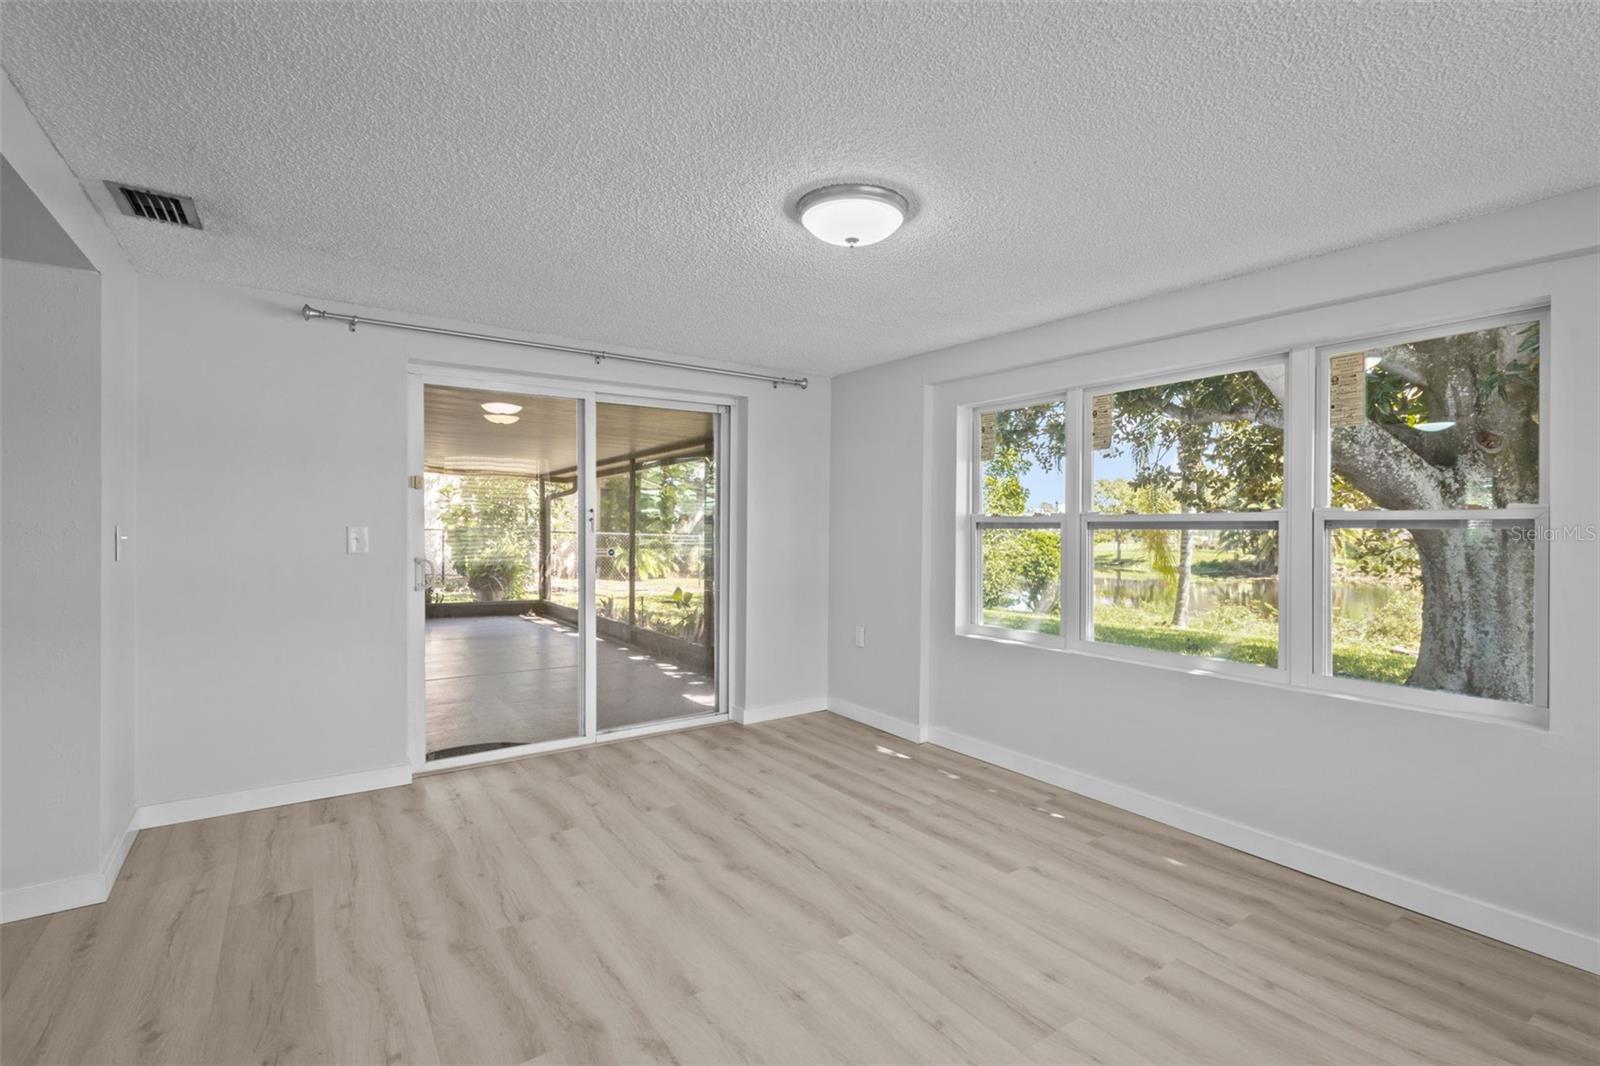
x=861, y=636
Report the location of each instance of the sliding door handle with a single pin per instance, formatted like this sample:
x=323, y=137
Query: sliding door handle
x=419, y=573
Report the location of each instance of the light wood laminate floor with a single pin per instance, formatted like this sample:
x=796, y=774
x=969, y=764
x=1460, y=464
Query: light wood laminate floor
x=807, y=890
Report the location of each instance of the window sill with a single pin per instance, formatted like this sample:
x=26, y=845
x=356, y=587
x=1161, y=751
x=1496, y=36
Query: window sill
x=1529, y=719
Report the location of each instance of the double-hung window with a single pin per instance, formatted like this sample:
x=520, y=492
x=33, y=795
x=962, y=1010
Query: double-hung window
x=1018, y=495
x=1367, y=516
x=1431, y=559
x=1183, y=515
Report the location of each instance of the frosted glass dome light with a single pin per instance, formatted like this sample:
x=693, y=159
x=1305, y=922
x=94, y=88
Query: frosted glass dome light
x=852, y=216
x=496, y=407
x=501, y=420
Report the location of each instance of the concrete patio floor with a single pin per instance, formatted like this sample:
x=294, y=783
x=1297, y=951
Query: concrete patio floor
x=503, y=679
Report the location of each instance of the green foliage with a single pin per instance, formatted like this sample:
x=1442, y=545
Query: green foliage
x=1522, y=373
x=1128, y=628
x=1023, y=563
x=1002, y=481
x=1210, y=443
x=491, y=526
x=494, y=578
x=1381, y=553
x=1395, y=625
x=1393, y=400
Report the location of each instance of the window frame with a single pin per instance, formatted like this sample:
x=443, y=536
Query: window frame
x=978, y=520
x=1326, y=517
x=1088, y=520
x=1302, y=523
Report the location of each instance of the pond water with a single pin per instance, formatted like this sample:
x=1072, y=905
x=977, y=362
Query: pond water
x=1355, y=599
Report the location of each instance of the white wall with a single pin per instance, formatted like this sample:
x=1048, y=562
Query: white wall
x=50, y=482
x=1494, y=826
x=268, y=656
x=108, y=779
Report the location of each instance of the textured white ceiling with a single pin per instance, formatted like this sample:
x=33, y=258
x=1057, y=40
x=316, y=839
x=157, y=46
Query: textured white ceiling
x=621, y=174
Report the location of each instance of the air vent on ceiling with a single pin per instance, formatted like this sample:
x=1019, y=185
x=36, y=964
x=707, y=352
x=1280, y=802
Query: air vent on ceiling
x=155, y=206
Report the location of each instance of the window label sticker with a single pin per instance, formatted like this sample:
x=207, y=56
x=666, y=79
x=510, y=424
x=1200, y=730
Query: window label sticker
x=1347, y=389
x=986, y=435
x=1100, y=421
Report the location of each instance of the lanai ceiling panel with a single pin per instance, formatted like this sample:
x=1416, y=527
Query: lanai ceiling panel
x=544, y=439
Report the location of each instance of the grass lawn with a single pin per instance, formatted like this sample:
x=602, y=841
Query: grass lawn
x=1349, y=660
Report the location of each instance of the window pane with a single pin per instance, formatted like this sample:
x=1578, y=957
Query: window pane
x=1450, y=610
x=1020, y=452
x=564, y=544
x=1206, y=592
x=1451, y=423
x=1022, y=579
x=1207, y=444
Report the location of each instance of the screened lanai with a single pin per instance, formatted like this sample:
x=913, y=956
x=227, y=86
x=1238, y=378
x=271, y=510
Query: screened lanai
x=502, y=539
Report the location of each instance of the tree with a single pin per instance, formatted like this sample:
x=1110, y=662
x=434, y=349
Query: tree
x=1221, y=463
x=492, y=528
x=1021, y=562
x=1452, y=424
x=1115, y=496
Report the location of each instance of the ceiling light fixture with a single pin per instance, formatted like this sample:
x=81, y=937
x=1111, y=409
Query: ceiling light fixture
x=852, y=216
x=501, y=420
x=499, y=408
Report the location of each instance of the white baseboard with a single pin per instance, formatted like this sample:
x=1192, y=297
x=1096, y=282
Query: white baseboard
x=1532, y=934
x=752, y=715
x=888, y=723
x=69, y=893
x=30, y=901
x=111, y=866
x=255, y=799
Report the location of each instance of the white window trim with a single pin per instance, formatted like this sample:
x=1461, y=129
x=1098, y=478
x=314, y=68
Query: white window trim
x=971, y=620
x=1305, y=576
x=1088, y=519
x=1326, y=517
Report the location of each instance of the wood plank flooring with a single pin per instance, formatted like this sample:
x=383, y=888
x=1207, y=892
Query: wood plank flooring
x=803, y=891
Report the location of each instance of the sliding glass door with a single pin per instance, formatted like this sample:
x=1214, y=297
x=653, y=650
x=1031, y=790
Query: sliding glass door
x=500, y=570
x=655, y=564
x=569, y=551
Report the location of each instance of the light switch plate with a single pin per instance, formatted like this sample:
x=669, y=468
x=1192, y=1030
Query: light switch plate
x=861, y=636
x=356, y=541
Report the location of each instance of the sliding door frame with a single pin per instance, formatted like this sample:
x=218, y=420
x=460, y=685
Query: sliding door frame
x=720, y=421
x=721, y=408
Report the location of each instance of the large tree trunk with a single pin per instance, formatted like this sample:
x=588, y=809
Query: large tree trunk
x=1180, y=606
x=1477, y=584
x=1477, y=613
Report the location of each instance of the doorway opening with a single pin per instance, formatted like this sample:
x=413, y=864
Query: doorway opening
x=569, y=562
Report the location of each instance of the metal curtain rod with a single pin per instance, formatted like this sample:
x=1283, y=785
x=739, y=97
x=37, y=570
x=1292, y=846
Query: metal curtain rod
x=308, y=313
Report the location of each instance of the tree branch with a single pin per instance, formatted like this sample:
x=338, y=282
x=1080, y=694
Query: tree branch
x=1405, y=364
x=1389, y=473
x=1195, y=416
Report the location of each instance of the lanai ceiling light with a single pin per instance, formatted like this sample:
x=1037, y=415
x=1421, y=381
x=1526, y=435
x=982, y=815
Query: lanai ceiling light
x=501, y=414
x=852, y=216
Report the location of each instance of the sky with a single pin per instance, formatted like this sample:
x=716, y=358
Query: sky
x=1049, y=486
